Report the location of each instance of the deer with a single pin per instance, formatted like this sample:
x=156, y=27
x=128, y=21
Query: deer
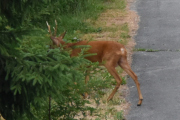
x=108, y=53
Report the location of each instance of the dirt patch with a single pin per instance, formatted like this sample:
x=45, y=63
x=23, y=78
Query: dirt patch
x=133, y=20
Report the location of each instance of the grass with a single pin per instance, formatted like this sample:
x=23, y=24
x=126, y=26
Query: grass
x=145, y=50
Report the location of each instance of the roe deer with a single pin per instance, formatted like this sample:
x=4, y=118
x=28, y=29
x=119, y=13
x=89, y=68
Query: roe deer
x=108, y=53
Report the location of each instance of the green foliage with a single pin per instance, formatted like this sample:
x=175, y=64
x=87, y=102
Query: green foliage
x=36, y=76
x=70, y=14
x=119, y=116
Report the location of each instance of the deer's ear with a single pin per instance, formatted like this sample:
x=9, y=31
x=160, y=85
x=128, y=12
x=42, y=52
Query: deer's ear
x=62, y=35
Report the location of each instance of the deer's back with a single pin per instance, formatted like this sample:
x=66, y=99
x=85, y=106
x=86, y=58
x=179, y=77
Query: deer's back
x=104, y=50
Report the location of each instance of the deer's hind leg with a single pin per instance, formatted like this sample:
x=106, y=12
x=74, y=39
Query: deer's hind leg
x=125, y=66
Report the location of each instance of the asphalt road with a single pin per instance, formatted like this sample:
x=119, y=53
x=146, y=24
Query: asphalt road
x=159, y=71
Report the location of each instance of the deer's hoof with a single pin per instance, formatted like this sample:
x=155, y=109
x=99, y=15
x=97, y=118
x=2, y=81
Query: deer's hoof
x=140, y=102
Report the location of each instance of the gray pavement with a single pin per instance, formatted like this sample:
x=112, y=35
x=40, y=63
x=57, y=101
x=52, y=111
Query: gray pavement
x=158, y=72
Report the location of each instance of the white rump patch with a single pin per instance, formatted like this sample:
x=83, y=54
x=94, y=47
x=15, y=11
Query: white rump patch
x=122, y=50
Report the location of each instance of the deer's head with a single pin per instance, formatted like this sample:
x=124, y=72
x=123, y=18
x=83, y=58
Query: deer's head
x=56, y=40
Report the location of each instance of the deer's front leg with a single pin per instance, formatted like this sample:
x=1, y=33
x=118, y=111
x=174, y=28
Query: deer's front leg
x=86, y=81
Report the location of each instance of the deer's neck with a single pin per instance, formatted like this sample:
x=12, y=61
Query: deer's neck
x=62, y=42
